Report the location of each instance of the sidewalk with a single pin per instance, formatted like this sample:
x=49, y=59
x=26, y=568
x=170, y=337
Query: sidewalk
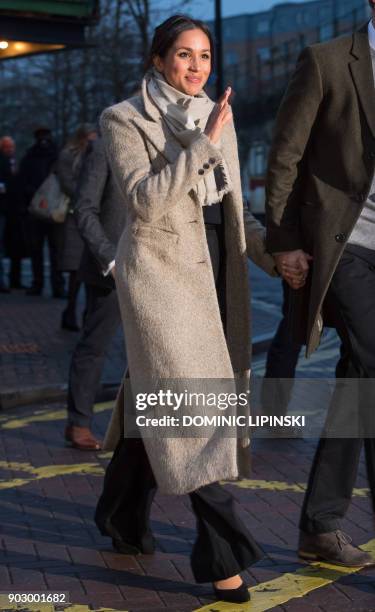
x=35, y=353
x=49, y=542
x=48, y=539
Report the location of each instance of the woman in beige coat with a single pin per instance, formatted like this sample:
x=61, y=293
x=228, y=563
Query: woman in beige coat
x=182, y=281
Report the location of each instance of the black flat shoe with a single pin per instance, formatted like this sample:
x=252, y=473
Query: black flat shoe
x=33, y=291
x=68, y=321
x=146, y=547
x=239, y=595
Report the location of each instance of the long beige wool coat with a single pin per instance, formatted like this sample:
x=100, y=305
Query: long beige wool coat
x=166, y=286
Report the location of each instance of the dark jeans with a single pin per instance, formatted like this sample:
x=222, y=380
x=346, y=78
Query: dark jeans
x=335, y=465
x=15, y=273
x=223, y=547
x=53, y=233
x=2, y=247
x=101, y=323
x=281, y=364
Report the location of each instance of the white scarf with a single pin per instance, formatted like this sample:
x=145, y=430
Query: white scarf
x=186, y=116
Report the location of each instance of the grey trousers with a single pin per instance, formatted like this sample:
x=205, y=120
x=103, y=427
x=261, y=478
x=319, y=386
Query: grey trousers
x=101, y=323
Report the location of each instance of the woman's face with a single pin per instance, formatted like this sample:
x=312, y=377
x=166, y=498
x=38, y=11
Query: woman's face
x=187, y=64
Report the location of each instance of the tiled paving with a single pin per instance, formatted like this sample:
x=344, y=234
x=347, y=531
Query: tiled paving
x=48, y=492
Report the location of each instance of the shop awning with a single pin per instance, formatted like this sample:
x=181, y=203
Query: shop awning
x=37, y=26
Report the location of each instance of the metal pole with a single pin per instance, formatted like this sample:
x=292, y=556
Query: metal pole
x=219, y=49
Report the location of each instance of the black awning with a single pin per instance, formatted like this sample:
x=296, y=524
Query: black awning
x=42, y=31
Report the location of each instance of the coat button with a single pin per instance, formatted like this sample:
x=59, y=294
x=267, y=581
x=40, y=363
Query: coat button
x=212, y=161
x=200, y=171
x=206, y=166
x=340, y=237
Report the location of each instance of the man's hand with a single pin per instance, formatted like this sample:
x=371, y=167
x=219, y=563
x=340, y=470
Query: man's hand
x=293, y=267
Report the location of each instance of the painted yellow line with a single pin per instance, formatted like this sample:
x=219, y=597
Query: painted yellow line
x=51, y=608
x=46, y=471
x=41, y=416
x=279, y=485
x=264, y=596
x=268, y=595
x=95, y=469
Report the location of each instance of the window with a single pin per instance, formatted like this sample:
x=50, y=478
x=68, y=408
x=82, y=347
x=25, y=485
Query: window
x=264, y=53
x=231, y=57
x=262, y=27
x=326, y=31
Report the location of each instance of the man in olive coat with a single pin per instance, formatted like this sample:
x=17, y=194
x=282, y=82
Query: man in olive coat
x=321, y=216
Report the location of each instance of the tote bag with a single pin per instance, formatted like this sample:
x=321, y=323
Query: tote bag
x=49, y=203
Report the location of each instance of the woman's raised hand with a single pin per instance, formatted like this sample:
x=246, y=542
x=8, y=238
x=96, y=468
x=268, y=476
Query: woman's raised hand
x=221, y=114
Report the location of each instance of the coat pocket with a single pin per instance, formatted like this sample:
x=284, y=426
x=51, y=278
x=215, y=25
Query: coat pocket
x=159, y=243
x=158, y=234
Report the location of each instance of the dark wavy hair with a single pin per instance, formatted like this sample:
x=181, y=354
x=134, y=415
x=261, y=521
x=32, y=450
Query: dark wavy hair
x=167, y=33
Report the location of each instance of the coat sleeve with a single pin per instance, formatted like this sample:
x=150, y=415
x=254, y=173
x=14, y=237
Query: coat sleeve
x=91, y=188
x=150, y=194
x=255, y=233
x=294, y=123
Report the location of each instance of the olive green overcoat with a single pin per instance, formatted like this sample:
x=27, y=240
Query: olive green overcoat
x=321, y=167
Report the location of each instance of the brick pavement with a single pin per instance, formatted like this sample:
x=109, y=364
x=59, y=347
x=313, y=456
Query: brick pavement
x=48, y=492
x=35, y=353
x=49, y=540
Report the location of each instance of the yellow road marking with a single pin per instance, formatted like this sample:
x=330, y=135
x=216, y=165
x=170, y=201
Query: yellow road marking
x=268, y=595
x=279, y=485
x=95, y=469
x=41, y=416
x=46, y=471
x=50, y=608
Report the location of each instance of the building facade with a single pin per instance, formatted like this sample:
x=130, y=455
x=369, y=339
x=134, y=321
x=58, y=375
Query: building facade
x=260, y=53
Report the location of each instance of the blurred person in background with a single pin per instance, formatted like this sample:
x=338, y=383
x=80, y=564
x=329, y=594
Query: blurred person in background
x=7, y=176
x=69, y=166
x=35, y=166
x=100, y=214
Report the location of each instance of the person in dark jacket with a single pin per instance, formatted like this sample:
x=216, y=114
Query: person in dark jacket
x=100, y=215
x=69, y=166
x=7, y=172
x=34, y=169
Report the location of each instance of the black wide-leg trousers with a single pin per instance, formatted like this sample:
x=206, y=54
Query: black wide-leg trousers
x=224, y=546
x=335, y=466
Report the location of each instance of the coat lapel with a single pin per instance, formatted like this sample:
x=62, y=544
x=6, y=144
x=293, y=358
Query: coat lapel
x=362, y=74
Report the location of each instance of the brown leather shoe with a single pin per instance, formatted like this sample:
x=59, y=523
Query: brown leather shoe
x=334, y=547
x=81, y=438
